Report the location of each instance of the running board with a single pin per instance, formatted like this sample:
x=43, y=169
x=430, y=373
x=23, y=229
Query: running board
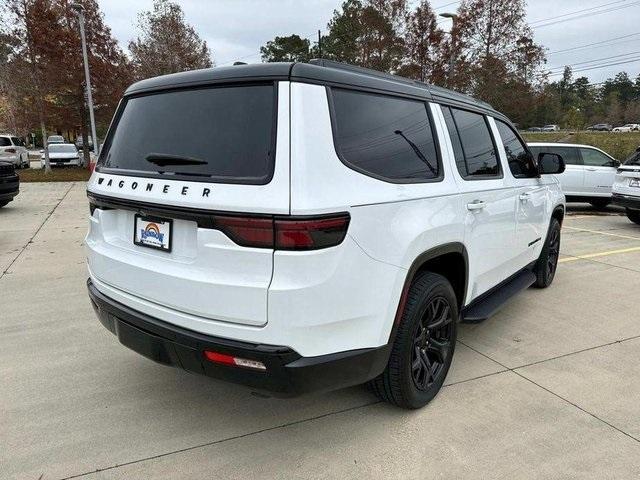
x=491, y=303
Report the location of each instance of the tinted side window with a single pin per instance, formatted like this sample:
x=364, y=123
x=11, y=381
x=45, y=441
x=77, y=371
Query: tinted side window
x=385, y=136
x=5, y=142
x=458, y=151
x=479, y=152
x=594, y=158
x=569, y=155
x=517, y=155
x=17, y=141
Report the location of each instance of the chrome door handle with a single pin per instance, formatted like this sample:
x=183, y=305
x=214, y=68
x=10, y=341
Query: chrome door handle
x=476, y=205
x=524, y=197
x=591, y=169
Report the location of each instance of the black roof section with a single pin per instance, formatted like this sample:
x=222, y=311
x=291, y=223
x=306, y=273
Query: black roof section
x=324, y=72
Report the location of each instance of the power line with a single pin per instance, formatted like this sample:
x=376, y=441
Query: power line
x=595, y=60
x=543, y=20
x=604, y=65
x=580, y=47
x=613, y=9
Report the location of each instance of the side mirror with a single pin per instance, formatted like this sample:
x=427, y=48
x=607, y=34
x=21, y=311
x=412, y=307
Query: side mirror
x=616, y=163
x=550, y=164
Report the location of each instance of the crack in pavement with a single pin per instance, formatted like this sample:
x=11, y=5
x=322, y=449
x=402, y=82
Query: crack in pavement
x=513, y=370
x=2, y=274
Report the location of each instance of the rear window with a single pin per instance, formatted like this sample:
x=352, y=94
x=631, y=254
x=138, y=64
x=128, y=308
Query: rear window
x=222, y=134
x=5, y=142
x=385, y=137
x=59, y=148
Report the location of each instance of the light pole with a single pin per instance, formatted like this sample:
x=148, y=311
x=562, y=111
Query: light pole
x=454, y=18
x=79, y=9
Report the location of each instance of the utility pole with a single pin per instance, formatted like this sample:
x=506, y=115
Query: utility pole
x=79, y=9
x=319, y=44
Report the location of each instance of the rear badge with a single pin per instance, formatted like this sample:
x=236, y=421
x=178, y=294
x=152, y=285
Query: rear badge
x=152, y=232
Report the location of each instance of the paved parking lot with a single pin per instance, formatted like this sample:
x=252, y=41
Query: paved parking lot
x=549, y=388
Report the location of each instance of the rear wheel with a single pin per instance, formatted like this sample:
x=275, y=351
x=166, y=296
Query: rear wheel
x=2, y=204
x=600, y=202
x=634, y=215
x=547, y=263
x=423, y=348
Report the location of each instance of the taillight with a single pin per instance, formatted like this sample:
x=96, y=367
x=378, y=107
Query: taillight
x=285, y=233
x=247, y=231
x=311, y=233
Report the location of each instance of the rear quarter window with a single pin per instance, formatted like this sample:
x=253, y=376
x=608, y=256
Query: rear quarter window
x=388, y=138
x=221, y=134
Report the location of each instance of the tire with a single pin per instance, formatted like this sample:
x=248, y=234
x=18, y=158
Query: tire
x=633, y=215
x=600, y=202
x=547, y=263
x=2, y=204
x=423, y=348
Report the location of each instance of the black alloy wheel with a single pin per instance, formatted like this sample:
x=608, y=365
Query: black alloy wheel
x=432, y=344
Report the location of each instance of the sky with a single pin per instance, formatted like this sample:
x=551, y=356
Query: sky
x=235, y=29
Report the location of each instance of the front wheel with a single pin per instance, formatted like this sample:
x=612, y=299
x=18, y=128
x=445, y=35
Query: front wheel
x=633, y=215
x=547, y=263
x=424, y=344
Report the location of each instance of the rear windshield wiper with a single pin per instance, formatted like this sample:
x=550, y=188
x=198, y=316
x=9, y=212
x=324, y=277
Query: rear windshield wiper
x=162, y=160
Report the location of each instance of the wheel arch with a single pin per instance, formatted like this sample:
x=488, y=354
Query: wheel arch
x=450, y=260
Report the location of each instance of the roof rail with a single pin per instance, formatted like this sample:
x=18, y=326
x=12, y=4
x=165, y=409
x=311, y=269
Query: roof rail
x=440, y=91
x=322, y=62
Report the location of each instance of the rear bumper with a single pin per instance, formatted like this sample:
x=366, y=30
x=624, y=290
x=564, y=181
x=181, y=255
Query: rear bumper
x=287, y=373
x=627, y=201
x=9, y=187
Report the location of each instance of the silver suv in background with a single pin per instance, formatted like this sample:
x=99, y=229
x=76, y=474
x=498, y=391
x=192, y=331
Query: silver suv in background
x=13, y=150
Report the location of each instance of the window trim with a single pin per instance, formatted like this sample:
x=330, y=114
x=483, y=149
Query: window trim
x=396, y=181
x=471, y=178
x=526, y=147
x=191, y=178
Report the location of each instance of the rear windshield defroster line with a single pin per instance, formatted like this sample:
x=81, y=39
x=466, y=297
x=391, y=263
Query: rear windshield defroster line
x=228, y=132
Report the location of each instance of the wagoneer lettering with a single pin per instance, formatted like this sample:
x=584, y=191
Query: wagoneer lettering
x=316, y=226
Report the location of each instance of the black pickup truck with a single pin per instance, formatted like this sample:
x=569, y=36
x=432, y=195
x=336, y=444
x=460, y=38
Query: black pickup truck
x=9, y=183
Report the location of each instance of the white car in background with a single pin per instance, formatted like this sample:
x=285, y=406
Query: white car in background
x=62, y=154
x=629, y=127
x=55, y=139
x=12, y=150
x=551, y=128
x=626, y=188
x=589, y=173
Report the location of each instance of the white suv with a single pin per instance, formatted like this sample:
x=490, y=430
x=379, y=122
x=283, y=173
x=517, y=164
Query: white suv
x=626, y=189
x=12, y=150
x=304, y=227
x=589, y=175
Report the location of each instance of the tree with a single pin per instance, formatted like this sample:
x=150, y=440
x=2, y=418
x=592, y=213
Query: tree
x=286, y=49
x=367, y=34
x=167, y=44
x=424, y=57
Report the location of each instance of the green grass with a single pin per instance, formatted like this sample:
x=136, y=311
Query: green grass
x=618, y=145
x=66, y=174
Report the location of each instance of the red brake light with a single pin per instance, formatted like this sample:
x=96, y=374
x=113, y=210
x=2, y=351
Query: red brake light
x=285, y=233
x=224, y=359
